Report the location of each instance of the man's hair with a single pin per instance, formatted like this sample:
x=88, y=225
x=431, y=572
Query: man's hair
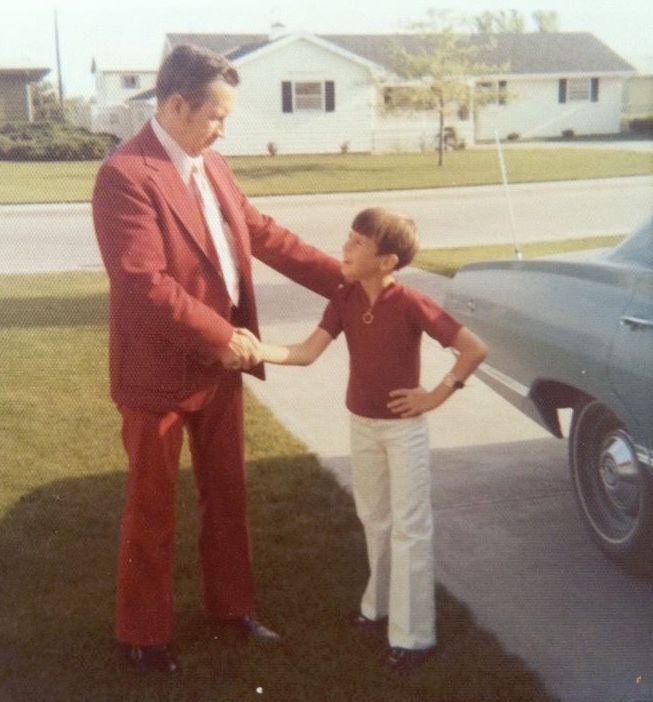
x=392, y=233
x=187, y=70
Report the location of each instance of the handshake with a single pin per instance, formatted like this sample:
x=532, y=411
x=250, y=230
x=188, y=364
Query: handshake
x=243, y=352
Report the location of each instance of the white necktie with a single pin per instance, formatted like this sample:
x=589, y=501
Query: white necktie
x=219, y=231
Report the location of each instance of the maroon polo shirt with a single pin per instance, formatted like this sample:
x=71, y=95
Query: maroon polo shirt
x=384, y=341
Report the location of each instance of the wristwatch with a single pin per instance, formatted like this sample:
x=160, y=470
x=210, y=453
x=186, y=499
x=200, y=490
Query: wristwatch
x=451, y=381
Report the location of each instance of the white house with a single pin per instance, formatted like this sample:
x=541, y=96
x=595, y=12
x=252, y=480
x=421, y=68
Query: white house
x=306, y=93
x=110, y=110
x=115, y=85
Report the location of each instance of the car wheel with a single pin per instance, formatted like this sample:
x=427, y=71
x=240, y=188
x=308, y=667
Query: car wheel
x=612, y=487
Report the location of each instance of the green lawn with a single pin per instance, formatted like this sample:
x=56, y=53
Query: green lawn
x=448, y=261
x=62, y=491
x=282, y=175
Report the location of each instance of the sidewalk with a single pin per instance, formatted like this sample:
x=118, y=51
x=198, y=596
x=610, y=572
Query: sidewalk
x=510, y=543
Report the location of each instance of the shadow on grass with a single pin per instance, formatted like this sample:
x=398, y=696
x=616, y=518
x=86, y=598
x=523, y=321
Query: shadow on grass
x=46, y=311
x=57, y=556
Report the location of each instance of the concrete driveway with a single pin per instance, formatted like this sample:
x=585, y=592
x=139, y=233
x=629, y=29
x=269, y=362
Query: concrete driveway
x=510, y=542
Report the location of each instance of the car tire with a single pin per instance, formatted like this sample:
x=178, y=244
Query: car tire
x=613, y=489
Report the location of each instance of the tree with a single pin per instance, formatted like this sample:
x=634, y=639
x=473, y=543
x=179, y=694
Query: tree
x=546, y=21
x=45, y=103
x=438, y=69
x=512, y=21
x=503, y=22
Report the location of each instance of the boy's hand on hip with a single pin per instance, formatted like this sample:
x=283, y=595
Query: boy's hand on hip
x=410, y=402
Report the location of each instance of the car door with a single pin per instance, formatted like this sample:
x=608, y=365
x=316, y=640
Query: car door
x=631, y=359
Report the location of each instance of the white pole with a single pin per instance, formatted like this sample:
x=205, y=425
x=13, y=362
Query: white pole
x=504, y=175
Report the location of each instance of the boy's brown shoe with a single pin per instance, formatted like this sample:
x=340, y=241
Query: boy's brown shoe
x=404, y=660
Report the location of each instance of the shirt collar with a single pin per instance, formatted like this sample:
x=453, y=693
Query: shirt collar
x=183, y=162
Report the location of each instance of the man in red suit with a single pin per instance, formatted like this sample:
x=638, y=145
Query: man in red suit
x=176, y=236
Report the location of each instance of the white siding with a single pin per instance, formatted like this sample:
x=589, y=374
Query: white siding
x=258, y=118
x=124, y=121
x=533, y=111
x=109, y=88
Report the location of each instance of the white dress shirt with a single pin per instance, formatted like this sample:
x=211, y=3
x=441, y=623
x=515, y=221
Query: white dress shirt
x=191, y=170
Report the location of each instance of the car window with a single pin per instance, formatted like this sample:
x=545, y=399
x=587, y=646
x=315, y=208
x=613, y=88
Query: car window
x=637, y=249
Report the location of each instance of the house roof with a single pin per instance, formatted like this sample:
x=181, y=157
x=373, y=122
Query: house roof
x=524, y=53
x=29, y=74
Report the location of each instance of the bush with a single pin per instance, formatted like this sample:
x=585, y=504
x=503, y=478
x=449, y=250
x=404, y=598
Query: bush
x=643, y=125
x=50, y=141
x=567, y=133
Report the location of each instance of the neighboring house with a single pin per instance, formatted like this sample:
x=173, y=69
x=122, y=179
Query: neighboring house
x=638, y=98
x=555, y=84
x=15, y=102
x=115, y=85
x=110, y=110
x=306, y=93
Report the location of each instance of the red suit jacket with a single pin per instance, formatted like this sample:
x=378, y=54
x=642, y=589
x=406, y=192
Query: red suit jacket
x=169, y=307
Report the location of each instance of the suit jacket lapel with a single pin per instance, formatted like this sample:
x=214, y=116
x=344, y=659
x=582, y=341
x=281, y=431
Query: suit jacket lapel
x=174, y=190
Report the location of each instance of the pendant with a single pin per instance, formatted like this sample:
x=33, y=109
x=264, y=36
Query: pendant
x=368, y=317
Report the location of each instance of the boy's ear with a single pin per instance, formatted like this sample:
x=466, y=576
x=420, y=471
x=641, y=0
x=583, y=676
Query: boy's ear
x=390, y=262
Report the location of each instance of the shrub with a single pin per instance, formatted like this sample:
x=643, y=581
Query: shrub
x=643, y=125
x=567, y=133
x=513, y=136
x=49, y=141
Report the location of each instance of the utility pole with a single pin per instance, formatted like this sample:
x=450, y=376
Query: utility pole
x=56, y=41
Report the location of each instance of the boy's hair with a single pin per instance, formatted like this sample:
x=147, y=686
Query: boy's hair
x=187, y=70
x=392, y=233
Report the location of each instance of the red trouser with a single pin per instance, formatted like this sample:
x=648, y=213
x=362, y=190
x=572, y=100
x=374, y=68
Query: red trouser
x=153, y=443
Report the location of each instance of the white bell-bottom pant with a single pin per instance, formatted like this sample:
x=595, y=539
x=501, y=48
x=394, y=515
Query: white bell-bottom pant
x=392, y=491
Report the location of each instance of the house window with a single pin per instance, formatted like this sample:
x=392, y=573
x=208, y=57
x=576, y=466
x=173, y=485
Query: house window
x=493, y=93
x=130, y=82
x=308, y=96
x=578, y=90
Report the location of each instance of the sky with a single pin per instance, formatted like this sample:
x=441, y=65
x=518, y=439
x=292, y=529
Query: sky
x=130, y=33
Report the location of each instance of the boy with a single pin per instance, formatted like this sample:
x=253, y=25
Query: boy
x=383, y=322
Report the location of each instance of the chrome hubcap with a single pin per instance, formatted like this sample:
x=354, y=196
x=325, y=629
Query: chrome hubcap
x=619, y=471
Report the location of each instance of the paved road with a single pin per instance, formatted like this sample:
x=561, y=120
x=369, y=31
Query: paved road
x=510, y=542
x=60, y=237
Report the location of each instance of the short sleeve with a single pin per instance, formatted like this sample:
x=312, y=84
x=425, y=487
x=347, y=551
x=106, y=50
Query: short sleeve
x=434, y=321
x=331, y=320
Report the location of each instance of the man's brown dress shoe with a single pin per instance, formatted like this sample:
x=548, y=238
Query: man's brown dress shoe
x=248, y=628
x=151, y=658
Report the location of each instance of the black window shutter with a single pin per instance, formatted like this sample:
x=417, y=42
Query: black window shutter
x=329, y=96
x=286, y=96
x=595, y=90
x=562, y=90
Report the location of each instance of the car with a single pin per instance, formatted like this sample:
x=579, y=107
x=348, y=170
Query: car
x=575, y=332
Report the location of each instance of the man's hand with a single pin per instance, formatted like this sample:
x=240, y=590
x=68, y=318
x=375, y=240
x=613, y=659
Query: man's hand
x=243, y=351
